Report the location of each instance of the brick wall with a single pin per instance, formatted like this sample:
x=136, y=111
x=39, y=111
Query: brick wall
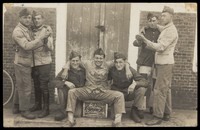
x=184, y=81
x=11, y=20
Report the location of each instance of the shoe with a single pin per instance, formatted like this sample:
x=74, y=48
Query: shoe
x=15, y=109
x=36, y=107
x=45, y=110
x=134, y=115
x=166, y=117
x=44, y=113
x=69, y=124
x=60, y=116
x=151, y=110
x=27, y=115
x=154, y=121
x=140, y=114
x=118, y=124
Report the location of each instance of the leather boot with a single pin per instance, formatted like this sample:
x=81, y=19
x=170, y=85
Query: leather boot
x=27, y=115
x=151, y=110
x=166, y=117
x=140, y=114
x=134, y=115
x=154, y=121
x=15, y=109
x=38, y=101
x=45, y=110
x=61, y=114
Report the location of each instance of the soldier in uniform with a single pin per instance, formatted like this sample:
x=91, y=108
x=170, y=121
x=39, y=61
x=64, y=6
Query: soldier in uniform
x=41, y=65
x=145, y=59
x=76, y=79
x=133, y=88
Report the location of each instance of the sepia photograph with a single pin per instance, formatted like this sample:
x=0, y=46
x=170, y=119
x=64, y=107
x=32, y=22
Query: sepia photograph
x=99, y=64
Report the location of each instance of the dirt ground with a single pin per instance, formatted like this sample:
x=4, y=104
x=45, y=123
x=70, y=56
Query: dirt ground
x=179, y=118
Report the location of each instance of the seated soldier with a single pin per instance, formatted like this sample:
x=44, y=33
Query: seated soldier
x=133, y=89
x=76, y=78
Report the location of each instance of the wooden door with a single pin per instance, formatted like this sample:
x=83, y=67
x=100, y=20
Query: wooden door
x=83, y=34
x=116, y=35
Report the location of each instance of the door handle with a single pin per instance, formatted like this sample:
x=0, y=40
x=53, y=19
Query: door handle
x=101, y=28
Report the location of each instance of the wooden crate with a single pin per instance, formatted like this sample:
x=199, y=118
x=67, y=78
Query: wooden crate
x=95, y=109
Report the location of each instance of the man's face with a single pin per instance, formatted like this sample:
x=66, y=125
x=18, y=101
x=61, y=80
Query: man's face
x=25, y=20
x=152, y=22
x=38, y=20
x=166, y=18
x=98, y=60
x=75, y=62
x=119, y=63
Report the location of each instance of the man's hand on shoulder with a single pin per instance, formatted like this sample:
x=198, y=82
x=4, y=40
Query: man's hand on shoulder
x=69, y=84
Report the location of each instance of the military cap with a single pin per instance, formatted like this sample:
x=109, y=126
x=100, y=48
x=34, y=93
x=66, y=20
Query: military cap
x=24, y=12
x=151, y=15
x=168, y=9
x=99, y=51
x=74, y=54
x=38, y=12
x=118, y=55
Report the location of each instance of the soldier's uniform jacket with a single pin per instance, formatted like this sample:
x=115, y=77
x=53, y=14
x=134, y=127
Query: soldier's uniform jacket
x=146, y=56
x=166, y=44
x=42, y=55
x=24, y=44
x=120, y=80
x=77, y=77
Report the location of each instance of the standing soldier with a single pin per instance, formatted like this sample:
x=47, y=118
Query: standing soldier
x=146, y=57
x=41, y=65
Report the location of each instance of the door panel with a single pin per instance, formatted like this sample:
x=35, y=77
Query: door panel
x=81, y=32
x=117, y=20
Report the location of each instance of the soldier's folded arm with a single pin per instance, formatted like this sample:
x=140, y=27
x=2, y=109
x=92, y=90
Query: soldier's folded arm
x=163, y=42
x=18, y=36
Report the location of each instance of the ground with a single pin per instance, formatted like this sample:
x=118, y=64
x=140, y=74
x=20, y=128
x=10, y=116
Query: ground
x=179, y=118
